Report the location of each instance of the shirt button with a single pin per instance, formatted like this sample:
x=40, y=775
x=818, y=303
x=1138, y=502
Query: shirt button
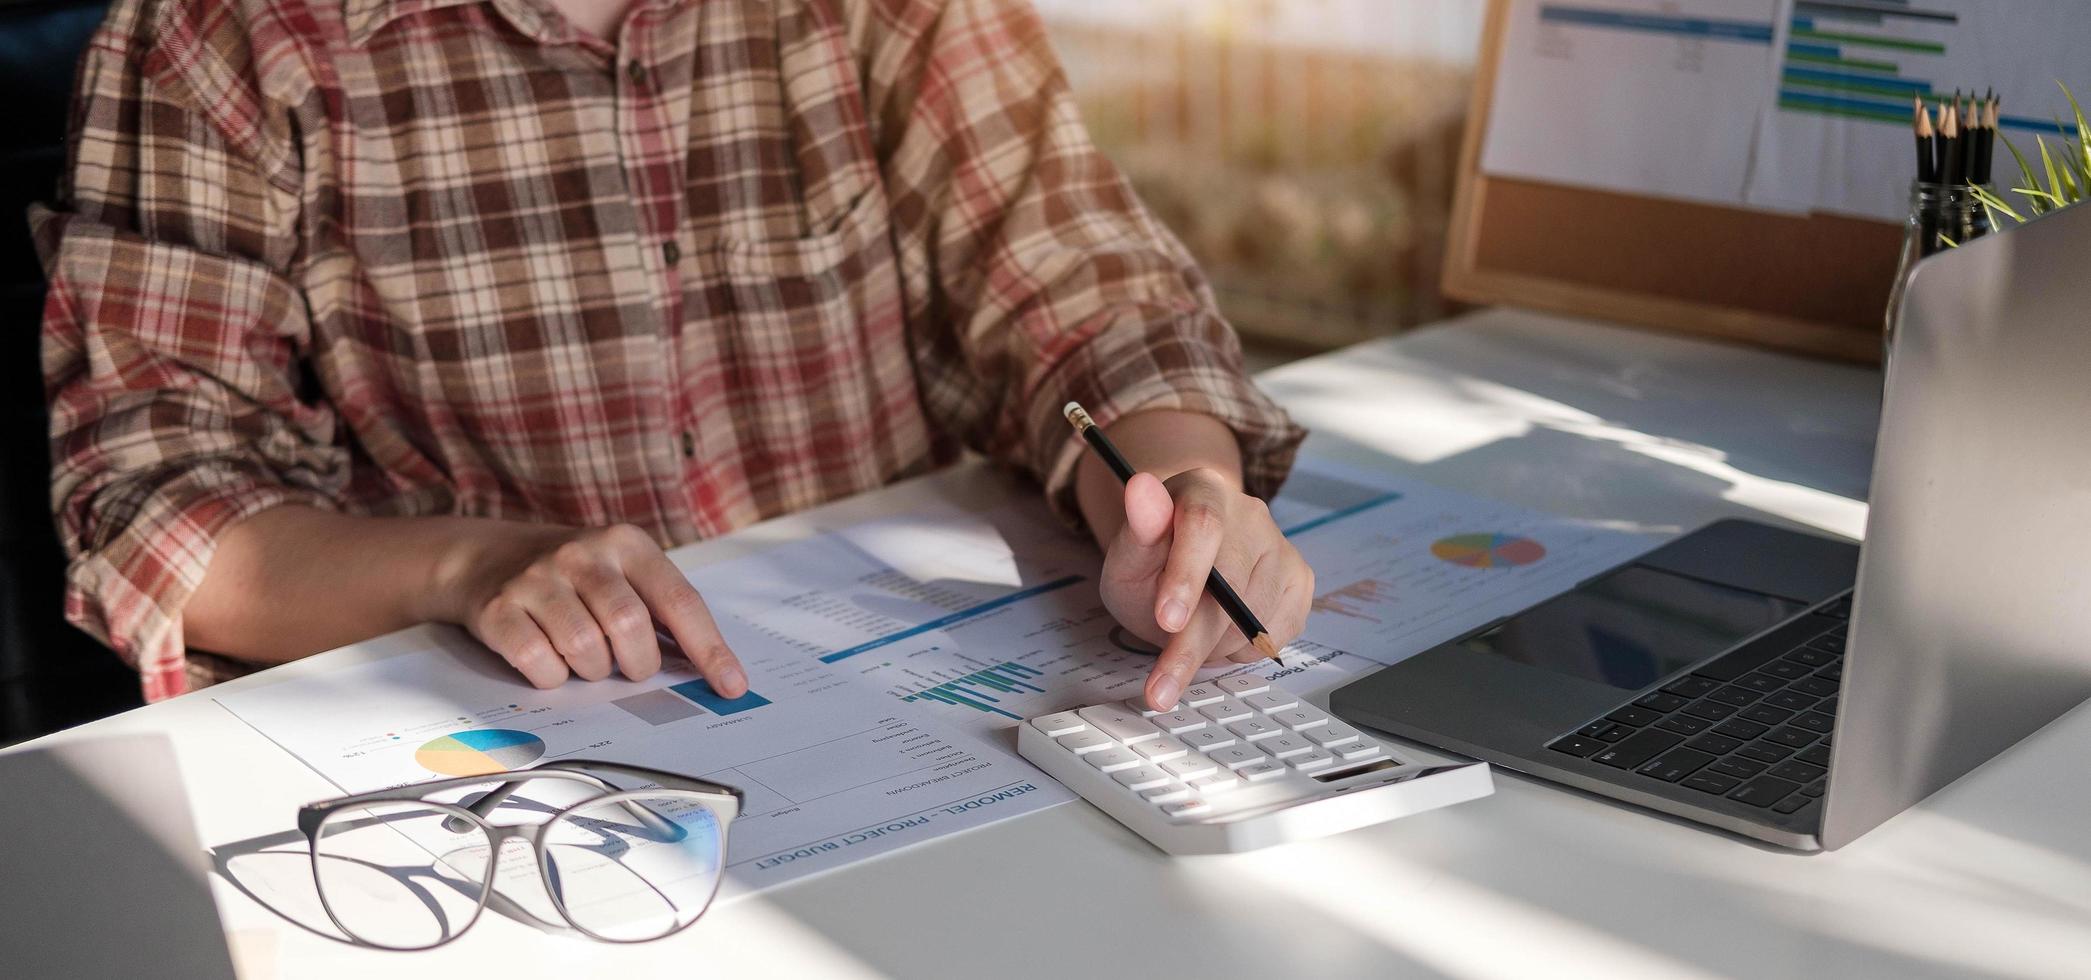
x=671, y=252
x=636, y=72
x=689, y=444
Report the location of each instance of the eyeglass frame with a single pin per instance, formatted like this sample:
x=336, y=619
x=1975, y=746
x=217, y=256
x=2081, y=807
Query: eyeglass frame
x=312, y=817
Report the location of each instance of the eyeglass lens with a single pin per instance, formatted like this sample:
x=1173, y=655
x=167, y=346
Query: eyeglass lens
x=393, y=875
x=626, y=867
x=635, y=866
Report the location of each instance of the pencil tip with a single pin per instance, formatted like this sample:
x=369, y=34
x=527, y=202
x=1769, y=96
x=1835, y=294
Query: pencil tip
x=1266, y=646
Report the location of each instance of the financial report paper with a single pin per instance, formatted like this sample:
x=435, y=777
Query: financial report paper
x=1835, y=132
x=1792, y=106
x=890, y=660
x=1644, y=97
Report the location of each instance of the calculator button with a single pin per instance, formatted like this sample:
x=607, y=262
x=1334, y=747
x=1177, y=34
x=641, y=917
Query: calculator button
x=1178, y=721
x=1188, y=766
x=1216, y=784
x=1188, y=808
x=1253, y=729
x=1299, y=719
x=1331, y=734
x=1286, y=746
x=1139, y=706
x=1142, y=777
x=1081, y=743
x=1200, y=695
x=1167, y=794
x=1271, y=701
x=1240, y=684
x=1161, y=749
x=1261, y=771
x=1119, y=723
x=1357, y=750
x=1237, y=756
x=1112, y=760
x=1226, y=711
x=1208, y=739
x=1312, y=760
x=1058, y=723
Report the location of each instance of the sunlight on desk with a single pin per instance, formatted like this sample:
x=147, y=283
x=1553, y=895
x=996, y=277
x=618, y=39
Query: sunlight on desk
x=1433, y=917
x=1445, y=413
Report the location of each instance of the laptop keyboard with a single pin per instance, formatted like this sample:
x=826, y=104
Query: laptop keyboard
x=1752, y=726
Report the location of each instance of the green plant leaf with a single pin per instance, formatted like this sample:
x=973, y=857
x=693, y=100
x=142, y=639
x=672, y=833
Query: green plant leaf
x=2073, y=176
x=2083, y=127
x=2026, y=170
x=1996, y=205
x=2047, y=162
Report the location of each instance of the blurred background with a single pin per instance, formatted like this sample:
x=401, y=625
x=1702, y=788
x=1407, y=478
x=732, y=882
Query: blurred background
x=1304, y=150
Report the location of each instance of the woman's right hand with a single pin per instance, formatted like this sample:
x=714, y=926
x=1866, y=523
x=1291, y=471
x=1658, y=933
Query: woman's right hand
x=554, y=601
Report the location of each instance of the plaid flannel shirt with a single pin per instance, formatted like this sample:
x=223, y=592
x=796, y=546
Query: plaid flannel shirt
x=394, y=257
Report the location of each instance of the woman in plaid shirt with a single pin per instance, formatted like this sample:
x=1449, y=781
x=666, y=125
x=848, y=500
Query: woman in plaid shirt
x=372, y=312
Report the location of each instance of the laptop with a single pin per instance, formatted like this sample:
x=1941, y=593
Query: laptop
x=1800, y=690
x=104, y=876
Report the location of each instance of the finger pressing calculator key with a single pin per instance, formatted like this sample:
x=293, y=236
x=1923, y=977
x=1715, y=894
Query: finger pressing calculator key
x=1237, y=766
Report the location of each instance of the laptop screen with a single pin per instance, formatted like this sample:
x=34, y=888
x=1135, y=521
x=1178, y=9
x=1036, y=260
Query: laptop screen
x=1633, y=627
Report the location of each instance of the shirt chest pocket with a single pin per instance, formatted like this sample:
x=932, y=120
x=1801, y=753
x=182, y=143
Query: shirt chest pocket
x=817, y=318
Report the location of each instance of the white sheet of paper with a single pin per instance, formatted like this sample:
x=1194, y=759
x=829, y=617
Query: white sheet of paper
x=1836, y=134
x=1400, y=567
x=1646, y=97
x=890, y=660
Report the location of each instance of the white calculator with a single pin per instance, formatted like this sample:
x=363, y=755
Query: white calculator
x=1237, y=766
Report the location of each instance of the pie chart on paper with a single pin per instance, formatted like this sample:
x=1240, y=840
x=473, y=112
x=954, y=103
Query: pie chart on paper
x=1488, y=550
x=480, y=752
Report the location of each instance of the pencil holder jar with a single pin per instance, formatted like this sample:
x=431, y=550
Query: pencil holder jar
x=1941, y=216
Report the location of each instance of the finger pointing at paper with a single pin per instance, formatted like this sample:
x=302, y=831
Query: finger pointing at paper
x=559, y=602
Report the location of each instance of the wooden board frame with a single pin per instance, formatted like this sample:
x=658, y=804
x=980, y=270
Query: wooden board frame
x=1814, y=285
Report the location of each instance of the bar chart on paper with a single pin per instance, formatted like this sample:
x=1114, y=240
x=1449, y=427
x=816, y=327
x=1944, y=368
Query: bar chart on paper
x=1867, y=60
x=1838, y=136
x=984, y=690
x=1645, y=97
x=688, y=699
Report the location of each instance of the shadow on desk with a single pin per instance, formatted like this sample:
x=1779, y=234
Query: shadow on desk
x=1552, y=414
x=1482, y=891
x=275, y=871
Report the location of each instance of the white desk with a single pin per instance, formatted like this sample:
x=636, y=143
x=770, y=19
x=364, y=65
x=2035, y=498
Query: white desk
x=1991, y=876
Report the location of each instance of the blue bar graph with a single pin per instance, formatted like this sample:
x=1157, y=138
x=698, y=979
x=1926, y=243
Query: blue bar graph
x=978, y=689
x=942, y=621
x=1337, y=515
x=1862, y=82
x=1746, y=32
x=703, y=696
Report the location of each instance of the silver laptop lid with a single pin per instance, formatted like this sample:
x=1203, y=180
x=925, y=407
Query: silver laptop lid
x=104, y=876
x=1973, y=610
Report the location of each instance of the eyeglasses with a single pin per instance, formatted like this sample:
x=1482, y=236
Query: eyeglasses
x=413, y=867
